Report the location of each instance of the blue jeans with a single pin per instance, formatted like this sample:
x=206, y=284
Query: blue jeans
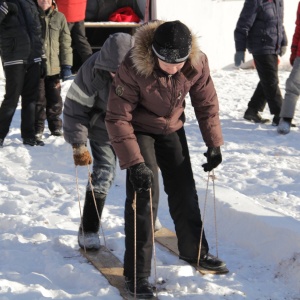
x=104, y=167
x=292, y=91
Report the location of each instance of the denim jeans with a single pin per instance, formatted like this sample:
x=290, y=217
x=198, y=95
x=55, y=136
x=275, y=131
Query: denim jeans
x=104, y=167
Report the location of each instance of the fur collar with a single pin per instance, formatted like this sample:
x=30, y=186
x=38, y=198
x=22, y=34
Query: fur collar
x=142, y=55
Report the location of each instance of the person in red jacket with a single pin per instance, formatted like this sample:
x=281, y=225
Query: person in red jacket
x=292, y=84
x=74, y=11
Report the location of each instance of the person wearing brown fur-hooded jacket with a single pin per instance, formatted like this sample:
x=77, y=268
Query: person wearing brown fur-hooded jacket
x=145, y=122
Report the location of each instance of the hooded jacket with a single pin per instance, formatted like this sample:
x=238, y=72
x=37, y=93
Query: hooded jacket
x=57, y=40
x=260, y=27
x=20, y=34
x=145, y=98
x=86, y=99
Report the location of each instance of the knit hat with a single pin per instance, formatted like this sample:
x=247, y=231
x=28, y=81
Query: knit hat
x=172, y=42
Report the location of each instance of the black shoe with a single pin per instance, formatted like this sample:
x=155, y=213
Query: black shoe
x=39, y=139
x=144, y=290
x=29, y=141
x=57, y=132
x=276, y=120
x=253, y=116
x=211, y=262
x=1, y=143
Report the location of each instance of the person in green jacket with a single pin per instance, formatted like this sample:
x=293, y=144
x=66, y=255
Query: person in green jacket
x=57, y=44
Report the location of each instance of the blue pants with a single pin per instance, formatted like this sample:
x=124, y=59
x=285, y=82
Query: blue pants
x=104, y=166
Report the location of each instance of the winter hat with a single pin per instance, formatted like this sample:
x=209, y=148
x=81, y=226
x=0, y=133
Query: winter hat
x=172, y=42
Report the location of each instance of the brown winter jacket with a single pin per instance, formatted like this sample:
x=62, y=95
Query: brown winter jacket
x=145, y=98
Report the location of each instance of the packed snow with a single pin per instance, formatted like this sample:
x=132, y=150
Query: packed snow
x=255, y=202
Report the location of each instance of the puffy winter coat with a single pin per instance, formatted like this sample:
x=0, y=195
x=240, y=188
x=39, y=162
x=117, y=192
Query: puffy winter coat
x=74, y=10
x=20, y=34
x=260, y=27
x=295, y=48
x=86, y=100
x=57, y=40
x=145, y=98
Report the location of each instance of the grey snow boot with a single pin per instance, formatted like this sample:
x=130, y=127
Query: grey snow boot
x=88, y=236
x=284, y=125
x=157, y=225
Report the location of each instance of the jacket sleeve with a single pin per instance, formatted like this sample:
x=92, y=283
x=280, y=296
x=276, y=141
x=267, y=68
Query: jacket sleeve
x=123, y=99
x=244, y=24
x=296, y=36
x=206, y=105
x=76, y=122
x=3, y=10
x=65, y=49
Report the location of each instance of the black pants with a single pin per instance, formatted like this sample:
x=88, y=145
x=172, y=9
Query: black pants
x=171, y=154
x=267, y=90
x=79, y=40
x=21, y=80
x=49, y=105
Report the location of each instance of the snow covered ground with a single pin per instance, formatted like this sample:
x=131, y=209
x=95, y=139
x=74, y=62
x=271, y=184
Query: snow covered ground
x=257, y=204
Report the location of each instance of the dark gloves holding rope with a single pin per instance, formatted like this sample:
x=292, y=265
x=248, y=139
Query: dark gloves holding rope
x=81, y=155
x=141, y=177
x=214, y=158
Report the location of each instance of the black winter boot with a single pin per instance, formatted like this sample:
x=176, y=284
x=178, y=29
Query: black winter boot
x=144, y=290
x=253, y=116
x=89, y=239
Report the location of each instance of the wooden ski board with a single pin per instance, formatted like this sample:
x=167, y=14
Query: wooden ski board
x=168, y=239
x=109, y=266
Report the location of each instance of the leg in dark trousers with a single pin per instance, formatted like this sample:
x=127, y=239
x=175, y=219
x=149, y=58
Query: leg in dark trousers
x=172, y=156
x=14, y=76
x=29, y=100
x=144, y=232
x=267, y=69
x=54, y=104
x=79, y=40
x=40, y=109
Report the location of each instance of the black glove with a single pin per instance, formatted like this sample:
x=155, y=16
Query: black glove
x=66, y=73
x=141, y=177
x=239, y=58
x=43, y=69
x=214, y=158
x=12, y=8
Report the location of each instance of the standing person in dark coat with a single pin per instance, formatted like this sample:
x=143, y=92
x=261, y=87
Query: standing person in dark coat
x=23, y=60
x=145, y=122
x=58, y=50
x=84, y=112
x=292, y=84
x=260, y=29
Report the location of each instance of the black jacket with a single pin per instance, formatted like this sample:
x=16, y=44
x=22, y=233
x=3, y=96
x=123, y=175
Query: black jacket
x=20, y=33
x=260, y=27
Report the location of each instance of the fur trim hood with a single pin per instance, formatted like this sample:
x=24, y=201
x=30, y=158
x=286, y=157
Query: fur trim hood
x=142, y=54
